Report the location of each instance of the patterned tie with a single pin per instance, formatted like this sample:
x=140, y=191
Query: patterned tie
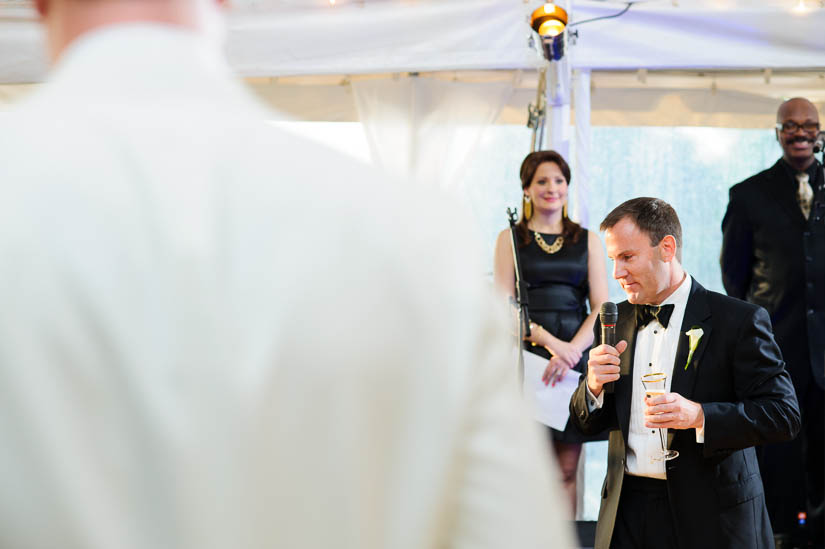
x=648, y=313
x=805, y=194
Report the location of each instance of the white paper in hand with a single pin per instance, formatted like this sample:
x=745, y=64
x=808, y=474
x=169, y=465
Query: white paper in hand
x=549, y=404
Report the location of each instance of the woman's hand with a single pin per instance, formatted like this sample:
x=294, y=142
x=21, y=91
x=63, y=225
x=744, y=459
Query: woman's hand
x=566, y=352
x=555, y=371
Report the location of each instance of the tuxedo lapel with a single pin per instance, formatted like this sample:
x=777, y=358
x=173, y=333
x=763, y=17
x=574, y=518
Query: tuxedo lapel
x=625, y=330
x=697, y=314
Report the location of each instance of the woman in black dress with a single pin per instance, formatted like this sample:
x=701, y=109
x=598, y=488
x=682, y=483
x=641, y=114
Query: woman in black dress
x=563, y=265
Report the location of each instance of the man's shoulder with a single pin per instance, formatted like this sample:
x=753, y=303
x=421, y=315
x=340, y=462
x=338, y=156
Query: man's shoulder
x=754, y=183
x=732, y=310
x=734, y=305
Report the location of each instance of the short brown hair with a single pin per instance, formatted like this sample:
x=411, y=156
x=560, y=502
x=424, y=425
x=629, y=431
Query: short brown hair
x=653, y=216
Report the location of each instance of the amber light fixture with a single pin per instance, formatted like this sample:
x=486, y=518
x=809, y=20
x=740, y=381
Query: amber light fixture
x=549, y=21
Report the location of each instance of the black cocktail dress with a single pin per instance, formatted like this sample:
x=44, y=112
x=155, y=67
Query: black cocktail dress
x=557, y=288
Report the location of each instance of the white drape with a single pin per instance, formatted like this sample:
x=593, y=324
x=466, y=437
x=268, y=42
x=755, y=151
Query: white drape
x=280, y=38
x=558, y=109
x=425, y=128
x=581, y=175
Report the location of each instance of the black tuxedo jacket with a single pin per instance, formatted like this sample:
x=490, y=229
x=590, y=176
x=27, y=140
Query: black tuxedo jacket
x=738, y=376
x=773, y=257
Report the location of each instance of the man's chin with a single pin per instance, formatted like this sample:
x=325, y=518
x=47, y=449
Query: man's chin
x=801, y=154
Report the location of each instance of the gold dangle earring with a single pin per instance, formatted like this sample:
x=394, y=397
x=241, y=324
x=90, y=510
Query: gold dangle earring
x=564, y=211
x=527, y=207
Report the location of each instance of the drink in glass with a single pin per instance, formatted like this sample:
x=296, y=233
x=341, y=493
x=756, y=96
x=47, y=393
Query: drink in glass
x=654, y=385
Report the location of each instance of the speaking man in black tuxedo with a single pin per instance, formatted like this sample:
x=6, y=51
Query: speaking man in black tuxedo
x=773, y=255
x=727, y=391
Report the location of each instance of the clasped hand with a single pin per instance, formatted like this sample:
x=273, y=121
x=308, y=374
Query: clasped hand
x=673, y=411
x=555, y=371
x=566, y=353
x=565, y=356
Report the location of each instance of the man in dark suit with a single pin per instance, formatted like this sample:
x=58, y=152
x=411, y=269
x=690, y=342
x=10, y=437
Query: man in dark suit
x=727, y=391
x=773, y=255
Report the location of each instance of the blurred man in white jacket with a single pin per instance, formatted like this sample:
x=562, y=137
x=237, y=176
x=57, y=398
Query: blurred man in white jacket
x=214, y=334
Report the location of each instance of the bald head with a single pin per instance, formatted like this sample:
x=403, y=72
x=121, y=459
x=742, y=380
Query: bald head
x=67, y=20
x=797, y=127
x=794, y=105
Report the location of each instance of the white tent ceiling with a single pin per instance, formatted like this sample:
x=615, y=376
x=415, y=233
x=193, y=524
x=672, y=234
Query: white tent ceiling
x=713, y=61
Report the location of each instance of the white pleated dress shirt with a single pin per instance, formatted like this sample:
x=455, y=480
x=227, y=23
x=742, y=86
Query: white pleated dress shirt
x=655, y=353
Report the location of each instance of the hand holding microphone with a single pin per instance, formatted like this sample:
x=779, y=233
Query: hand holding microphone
x=603, y=365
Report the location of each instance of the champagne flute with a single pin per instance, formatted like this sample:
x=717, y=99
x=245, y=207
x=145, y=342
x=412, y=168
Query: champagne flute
x=654, y=385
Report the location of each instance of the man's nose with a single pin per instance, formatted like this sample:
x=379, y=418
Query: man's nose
x=618, y=271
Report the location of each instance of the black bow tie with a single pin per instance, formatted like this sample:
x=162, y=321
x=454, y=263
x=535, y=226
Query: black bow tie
x=647, y=313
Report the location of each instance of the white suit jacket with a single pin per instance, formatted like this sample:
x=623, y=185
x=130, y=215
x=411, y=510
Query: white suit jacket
x=216, y=334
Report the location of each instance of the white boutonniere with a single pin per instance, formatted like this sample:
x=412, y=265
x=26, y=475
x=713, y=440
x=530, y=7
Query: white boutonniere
x=694, y=335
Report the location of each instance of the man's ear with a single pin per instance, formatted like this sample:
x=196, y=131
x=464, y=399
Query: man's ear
x=667, y=248
x=42, y=7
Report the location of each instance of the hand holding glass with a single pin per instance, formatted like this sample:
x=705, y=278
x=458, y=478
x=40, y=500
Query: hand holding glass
x=654, y=385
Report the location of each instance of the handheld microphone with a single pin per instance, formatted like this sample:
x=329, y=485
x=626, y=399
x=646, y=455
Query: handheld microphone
x=608, y=316
x=819, y=143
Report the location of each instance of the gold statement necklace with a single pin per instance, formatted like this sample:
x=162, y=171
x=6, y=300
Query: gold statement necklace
x=549, y=248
